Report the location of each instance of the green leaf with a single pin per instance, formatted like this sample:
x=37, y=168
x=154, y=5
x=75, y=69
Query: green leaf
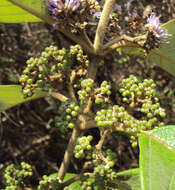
x=11, y=95
x=157, y=159
x=74, y=186
x=165, y=56
x=130, y=179
x=10, y=13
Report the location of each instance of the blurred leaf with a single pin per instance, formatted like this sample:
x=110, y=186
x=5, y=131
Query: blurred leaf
x=130, y=179
x=11, y=95
x=157, y=159
x=10, y=13
x=166, y=134
x=165, y=56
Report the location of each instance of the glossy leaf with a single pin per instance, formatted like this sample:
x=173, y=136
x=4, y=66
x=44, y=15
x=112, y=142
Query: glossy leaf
x=11, y=13
x=11, y=95
x=130, y=179
x=157, y=159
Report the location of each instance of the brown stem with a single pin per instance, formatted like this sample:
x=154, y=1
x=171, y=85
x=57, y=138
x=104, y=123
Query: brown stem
x=59, y=96
x=101, y=29
x=124, y=41
x=70, y=88
x=86, y=122
x=103, y=135
x=68, y=154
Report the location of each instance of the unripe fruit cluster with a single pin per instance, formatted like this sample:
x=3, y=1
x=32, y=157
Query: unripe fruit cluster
x=108, y=158
x=14, y=175
x=71, y=114
x=41, y=72
x=109, y=117
x=87, y=184
x=51, y=67
x=83, y=143
x=106, y=173
x=78, y=52
x=151, y=109
x=49, y=182
x=86, y=88
x=131, y=87
x=118, y=118
x=102, y=94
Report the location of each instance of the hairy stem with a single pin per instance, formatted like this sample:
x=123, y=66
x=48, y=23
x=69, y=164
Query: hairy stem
x=101, y=29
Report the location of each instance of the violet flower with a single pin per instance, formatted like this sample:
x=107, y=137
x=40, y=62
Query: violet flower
x=55, y=5
x=72, y=4
x=161, y=34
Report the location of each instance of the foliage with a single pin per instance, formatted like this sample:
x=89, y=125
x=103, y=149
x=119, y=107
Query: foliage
x=70, y=76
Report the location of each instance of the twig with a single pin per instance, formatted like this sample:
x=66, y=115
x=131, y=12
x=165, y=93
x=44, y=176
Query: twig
x=103, y=134
x=70, y=88
x=59, y=96
x=101, y=29
x=86, y=38
x=124, y=41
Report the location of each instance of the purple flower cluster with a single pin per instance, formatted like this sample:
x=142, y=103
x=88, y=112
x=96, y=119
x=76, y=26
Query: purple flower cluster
x=56, y=6
x=160, y=33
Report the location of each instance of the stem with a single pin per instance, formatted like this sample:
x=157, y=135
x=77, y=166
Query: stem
x=102, y=139
x=59, y=96
x=124, y=41
x=101, y=29
x=70, y=88
x=93, y=67
x=68, y=154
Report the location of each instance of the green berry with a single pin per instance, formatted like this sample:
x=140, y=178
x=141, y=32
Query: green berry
x=71, y=125
x=74, y=113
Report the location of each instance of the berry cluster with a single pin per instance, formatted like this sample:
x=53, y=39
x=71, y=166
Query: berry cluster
x=14, y=175
x=133, y=90
x=109, y=117
x=87, y=183
x=102, y=94
x=83, y=143
x=49, y=182
x=107, y=158
x=41, y=72
x=71, y=115
x=51, y=68
x=117, y=118
x=78, y=52
x=86, y=88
